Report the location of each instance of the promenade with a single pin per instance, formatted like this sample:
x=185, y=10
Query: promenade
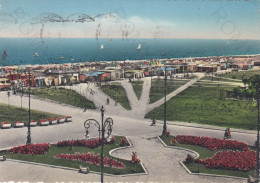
x=162, y=164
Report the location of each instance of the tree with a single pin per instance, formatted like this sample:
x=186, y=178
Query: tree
x=252, y=90
x=245, y=80
x=254, y=85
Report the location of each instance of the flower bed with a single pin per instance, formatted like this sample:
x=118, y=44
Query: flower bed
x=68, y=118
x=44, y=122
x=53, y=121
x=234, y=160
x=211, y=143
x=32, y=149
x=61, y=120
x=18, y=124
x=87, y=143
x=91, y=158
x=5, y=124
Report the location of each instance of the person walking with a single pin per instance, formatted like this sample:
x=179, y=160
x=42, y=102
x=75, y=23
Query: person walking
x=107, y=101
x=85, y=108
x=153, y=122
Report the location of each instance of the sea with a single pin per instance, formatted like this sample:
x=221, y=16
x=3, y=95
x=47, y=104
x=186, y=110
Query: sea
x=22, y=51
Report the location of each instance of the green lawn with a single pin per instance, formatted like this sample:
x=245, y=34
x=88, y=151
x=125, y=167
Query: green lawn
x=239, y=75
x=48, y=158
x=157, y=88
x=117, y=92
x=137, y=86
x=63, y=95
x=12, y=114
x=206, y=153
x=219, y=79
x=207, y=105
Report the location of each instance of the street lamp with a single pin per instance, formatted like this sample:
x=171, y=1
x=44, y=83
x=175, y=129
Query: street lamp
x=257, y=142
x=165, y=89
x=29, y=112
x=212, y=73
x=107, y=124
x=21, y=95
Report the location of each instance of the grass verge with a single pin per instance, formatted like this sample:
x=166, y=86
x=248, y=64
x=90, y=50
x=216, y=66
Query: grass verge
x=63, y=95
x=117, y=92
x=219, y=79
x=12, y=114
x=49, y=159
x=137, y=86
x=206, y=153
x=239, y=75
x=208, y=105
x=157, y=88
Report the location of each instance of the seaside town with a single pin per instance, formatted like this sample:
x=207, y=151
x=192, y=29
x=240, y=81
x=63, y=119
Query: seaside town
x=129, y=91
x=14, y=77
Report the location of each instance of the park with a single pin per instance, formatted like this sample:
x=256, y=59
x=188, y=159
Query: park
x=188, y=149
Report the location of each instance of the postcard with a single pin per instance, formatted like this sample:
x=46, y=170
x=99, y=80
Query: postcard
x=148, y=91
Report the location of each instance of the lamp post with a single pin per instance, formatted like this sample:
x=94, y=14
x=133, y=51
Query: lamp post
x=108, y=123
x=21, y=95
x=29, y=112
x=165, y=89
x=257, y=143
x=212, y=73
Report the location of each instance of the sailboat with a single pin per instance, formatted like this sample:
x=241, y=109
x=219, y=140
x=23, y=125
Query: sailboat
x=36, y=55
x=138, y=47
x=102, y=47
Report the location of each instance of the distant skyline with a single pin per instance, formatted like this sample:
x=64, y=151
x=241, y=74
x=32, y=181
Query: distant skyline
x=183, y=19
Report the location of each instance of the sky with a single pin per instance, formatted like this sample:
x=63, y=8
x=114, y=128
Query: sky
x=183, y=19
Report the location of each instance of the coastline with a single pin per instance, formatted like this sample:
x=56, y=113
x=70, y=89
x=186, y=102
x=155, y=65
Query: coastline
x=129, y=61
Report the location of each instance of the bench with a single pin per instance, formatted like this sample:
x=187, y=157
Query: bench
x=2, y=158
x=83, y=169
x=251, y=179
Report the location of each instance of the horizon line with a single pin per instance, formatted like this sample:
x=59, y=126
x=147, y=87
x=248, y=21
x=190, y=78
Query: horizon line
x=125, y=38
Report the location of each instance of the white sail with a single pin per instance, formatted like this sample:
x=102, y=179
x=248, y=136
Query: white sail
x=102, y=47
x=138, y=47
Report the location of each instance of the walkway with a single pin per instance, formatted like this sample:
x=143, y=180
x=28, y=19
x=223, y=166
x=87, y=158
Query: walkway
x=162, y=163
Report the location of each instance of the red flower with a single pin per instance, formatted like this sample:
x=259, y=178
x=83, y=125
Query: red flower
x=135, y=159
x=167, y=132
x=234, y=160
x=173, y=141
x=124, y=142
x=211, y=143
x=91, y=158
x=87, y=143
x=5, y=122
x=33, y=149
